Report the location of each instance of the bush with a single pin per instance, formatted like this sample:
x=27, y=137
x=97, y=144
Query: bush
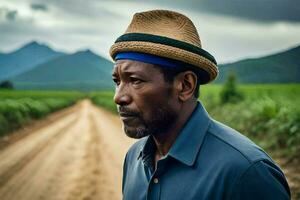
x=268, y=114
x=6, y=85
x=4, y=126
x=105, y=100
x=266, y=107
x=230, y=93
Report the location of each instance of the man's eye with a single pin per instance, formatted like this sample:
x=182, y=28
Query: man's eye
x=135, y=80
x=117, y=81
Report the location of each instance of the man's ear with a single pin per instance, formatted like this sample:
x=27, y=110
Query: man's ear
x=186, y=84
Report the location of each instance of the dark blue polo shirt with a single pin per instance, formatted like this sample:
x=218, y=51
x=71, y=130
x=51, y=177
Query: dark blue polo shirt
x=207, y=161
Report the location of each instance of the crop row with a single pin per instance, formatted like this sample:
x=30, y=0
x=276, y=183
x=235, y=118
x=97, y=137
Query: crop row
x=18, y=108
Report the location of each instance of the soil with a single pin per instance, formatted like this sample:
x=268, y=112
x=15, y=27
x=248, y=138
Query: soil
x=76, y=154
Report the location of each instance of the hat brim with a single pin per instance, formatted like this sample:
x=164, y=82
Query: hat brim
x=191, y=55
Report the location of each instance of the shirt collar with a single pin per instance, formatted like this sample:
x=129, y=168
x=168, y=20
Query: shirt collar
x=189, y=141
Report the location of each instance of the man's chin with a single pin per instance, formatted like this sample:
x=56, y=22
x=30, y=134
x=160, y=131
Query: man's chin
x=135, y=133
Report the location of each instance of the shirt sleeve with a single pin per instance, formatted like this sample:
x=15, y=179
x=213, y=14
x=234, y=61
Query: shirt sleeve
x=263, y=180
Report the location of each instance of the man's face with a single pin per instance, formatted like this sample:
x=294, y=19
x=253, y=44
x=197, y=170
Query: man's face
x=146, y=103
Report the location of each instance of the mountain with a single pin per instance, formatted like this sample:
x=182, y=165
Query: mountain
x=25, y=58
x=36, y=66
x=83, y=70
x=282, y=67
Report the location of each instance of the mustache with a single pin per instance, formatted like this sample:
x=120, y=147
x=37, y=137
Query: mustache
x=123, y=110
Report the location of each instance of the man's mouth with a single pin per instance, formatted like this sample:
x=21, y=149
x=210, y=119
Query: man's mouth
x=127, y=116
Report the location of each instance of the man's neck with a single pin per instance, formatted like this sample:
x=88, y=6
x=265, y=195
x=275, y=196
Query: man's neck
x=164, y=141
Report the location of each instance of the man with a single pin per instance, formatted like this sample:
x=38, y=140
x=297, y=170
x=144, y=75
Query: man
x=183, y=153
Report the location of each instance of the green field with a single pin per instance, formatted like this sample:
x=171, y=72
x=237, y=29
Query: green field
x=104, y=99
x=268, y=114
x=17, y=108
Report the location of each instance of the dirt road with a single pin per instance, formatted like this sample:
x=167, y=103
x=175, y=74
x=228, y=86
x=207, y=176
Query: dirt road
x=78, y=155
x=75, y=154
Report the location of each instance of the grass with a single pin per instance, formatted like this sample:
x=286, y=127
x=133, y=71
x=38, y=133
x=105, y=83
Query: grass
x=269, y=115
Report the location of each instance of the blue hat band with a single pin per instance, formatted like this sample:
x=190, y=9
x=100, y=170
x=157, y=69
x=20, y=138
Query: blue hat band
x=147, y=58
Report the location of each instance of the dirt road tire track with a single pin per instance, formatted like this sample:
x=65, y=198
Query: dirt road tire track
x=78, y=156
x=6, y=175
x=33, y=126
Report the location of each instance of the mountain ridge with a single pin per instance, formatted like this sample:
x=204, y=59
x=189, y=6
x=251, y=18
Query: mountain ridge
x=83, y=70
x=266, y=69
x=25, y=58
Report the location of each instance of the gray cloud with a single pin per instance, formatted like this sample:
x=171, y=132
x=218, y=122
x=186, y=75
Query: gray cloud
x=261, y=10
x=258, y=10
x=39, y=6
x=95, y=24
x=7, y=14
x=11, y=15
x=80, y=9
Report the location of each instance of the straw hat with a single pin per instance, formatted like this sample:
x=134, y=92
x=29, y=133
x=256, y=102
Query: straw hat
x=170, y=35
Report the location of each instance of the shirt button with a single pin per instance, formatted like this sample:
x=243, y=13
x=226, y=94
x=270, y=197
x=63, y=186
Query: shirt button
x=155, y=180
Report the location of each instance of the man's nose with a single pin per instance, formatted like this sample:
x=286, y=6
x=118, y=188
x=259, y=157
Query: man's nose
x=122, y=96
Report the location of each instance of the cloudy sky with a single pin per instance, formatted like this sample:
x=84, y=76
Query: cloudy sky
x=229, y=29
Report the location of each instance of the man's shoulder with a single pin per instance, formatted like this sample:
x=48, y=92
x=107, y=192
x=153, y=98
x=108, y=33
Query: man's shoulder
x=241, y=159
x=236, y=144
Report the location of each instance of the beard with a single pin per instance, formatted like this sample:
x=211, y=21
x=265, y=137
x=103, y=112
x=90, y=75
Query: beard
x=160, y=121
